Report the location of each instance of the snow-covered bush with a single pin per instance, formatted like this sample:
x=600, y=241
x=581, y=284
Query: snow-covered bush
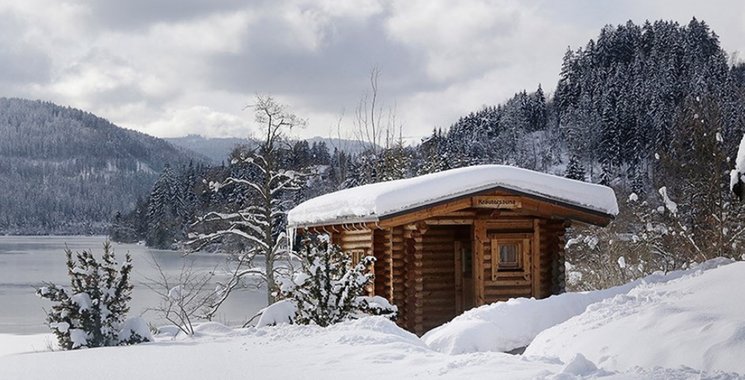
x=91, y=312
x=329, y=288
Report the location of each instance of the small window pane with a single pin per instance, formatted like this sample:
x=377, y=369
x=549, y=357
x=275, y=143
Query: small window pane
x=508, y=255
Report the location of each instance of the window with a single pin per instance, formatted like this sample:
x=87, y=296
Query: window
x=509, y=255
x=357, y=256
x=466, y=262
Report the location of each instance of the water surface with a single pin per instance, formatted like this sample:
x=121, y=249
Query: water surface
x=28, y=261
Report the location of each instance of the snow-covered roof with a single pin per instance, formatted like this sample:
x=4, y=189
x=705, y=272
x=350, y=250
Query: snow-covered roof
x=370, y=203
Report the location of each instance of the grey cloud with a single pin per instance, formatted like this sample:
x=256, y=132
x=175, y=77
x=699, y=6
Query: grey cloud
x=139, y=14
x=20, y=62
x=329, y=77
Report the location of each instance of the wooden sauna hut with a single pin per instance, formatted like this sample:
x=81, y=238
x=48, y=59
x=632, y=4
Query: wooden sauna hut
x=450, y=241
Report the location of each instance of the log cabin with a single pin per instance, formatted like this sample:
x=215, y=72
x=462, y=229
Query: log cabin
x=450, y=241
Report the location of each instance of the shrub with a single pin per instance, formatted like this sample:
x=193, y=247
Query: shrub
x=92, y=311
x=329, y=289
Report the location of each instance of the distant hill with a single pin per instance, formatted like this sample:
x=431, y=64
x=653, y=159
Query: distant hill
x=67, y=171
x=217, y=149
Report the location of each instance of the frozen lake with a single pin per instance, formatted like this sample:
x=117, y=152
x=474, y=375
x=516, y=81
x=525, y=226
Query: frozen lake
x=27, y=261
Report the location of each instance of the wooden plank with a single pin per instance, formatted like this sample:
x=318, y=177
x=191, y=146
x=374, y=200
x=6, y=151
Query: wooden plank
x=419, y=279
x=539, y=249
x=497, y=202
x=524, y=292
x=389, y=253
x=459, y=214
x=445, y=222
x=426, y=213
x=346, y=238
x=479, y=239
x=356, y=246
x=510, y=224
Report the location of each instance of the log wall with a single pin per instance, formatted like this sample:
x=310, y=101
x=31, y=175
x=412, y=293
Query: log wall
x=438, y=271
x=416, y=265
x=544, y=268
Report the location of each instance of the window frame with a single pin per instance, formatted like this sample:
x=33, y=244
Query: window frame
x=522, y=268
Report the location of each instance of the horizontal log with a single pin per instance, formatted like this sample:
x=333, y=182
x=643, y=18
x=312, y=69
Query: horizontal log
x=438, y=270
x=440, y=310
x=501, y=282
x=356, y=238
x=354, y=246
x=357, y=232
x=508, y=293
x=448, y=287
x=439, y=222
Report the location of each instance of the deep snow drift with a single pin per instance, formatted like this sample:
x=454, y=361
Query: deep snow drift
x=688, y=324
x=696, y=321
x=505, y=326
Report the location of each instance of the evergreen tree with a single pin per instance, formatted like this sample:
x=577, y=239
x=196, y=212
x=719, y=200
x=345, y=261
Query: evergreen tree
x=575, y=170
x=330, y=286
x=92, y=311
x=164, y=207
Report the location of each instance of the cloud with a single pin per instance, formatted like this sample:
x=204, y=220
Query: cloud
x=138, y=15
x=199, y=120
x=173, y=67
x=459, y=39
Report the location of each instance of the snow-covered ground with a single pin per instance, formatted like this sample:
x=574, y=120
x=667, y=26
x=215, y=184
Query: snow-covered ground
x=505, y=326
x=686, y=325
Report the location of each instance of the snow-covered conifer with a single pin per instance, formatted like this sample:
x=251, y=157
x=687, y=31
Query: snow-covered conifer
x=91, y=312
x=330, y=288
x=575, y=170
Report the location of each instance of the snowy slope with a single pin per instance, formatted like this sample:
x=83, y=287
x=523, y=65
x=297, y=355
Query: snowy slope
x=696, y=321
x=683, y=325
x=371, y=202
x=504, y=326
x=372, y=348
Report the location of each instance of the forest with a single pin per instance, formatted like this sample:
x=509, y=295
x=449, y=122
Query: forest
x=654, y=110
x=66, y=171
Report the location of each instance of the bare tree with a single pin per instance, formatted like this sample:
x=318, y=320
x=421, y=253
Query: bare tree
x=183, y=298
x=375, y=129
x=261, y=223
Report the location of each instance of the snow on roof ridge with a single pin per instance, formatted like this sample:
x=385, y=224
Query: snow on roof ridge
x=370, y=202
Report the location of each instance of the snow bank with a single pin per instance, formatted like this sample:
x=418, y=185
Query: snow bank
x=369, y=348
x=18, y=344
x=279, y=313
x=370, y=202
x=696, y=321
x=135, y=326
x=504, y=326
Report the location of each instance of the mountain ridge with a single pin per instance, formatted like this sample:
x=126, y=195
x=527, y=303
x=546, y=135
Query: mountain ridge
x=217, y=149
x=67, y=171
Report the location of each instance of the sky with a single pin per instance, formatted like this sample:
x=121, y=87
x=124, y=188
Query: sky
x=178, y=67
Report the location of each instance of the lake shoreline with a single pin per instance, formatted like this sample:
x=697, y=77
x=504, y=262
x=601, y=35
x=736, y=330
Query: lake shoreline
x=27, y=261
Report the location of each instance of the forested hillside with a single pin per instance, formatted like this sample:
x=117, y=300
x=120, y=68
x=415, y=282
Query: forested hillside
x=218, y=149
x=63, y=170
x=654, y=111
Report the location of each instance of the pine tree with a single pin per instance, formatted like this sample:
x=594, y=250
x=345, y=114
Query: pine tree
x=92, y=311
x=575, y=170
x=164, y=224
x=330, y=287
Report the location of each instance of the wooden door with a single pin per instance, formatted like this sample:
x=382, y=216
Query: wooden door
x=464, y=282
